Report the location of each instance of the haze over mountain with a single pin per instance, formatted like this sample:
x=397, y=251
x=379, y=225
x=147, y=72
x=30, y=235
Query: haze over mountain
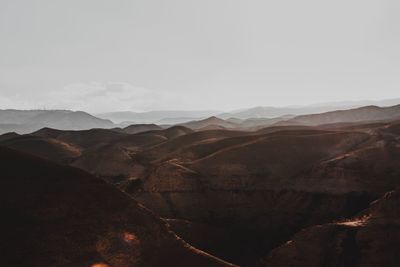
x=181, y=116
x=188, y=133
x=25, y=121
x=155, y=116
x=368, y=113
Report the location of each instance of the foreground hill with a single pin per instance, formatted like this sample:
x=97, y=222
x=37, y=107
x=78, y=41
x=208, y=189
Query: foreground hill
x=83, y=139
x=53, y=215
x=25, y=121
x=49, y=148
x=372, y=238
x=363, y=114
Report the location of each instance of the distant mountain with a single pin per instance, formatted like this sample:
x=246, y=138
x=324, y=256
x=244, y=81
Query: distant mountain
x=170, y=121
x=155, y=116
x=138, y=128
x=273, y=112
x=25, y=121
x=210, y=123
x=257, y=123
x=368, y=113
x=215, y=123
x=181, y=116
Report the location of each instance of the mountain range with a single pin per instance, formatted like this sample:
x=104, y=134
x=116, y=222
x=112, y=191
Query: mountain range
x=181, y=116
x=26, y=121
x=309, y=190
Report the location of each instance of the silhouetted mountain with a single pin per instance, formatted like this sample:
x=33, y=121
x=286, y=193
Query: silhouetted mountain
x=7, y=136
x=138, y=128
x=209, y=122
x=155, y=116
x=170, y=121
x=25, y=121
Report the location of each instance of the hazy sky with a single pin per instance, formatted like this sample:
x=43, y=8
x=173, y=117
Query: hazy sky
x=100, y=56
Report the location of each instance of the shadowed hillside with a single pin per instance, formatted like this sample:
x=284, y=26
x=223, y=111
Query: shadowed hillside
x=371, y=238
x=55, y=215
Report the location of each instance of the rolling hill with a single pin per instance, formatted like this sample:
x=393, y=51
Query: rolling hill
x=370, y=238
x=54, y=215
x=240, y=195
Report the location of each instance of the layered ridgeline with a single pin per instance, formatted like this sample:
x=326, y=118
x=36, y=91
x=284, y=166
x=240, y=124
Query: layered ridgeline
x=362, y=114
x=26, y=121
x=235, y=193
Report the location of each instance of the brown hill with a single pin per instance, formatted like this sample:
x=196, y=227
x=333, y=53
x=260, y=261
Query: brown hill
x=54, y=215
x=177, y=144
x=84, y=138
x=241, y=194
x=175, y=131
x=118, y=160
x=264, y=187
x=371, y=238
x=49, y=148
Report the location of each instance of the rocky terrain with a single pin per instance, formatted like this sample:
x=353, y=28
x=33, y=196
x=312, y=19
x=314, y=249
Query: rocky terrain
x=54, y=215
x=255, y=197
x=371, y=238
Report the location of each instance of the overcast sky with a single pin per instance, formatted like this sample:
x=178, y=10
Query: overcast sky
x=101, y=56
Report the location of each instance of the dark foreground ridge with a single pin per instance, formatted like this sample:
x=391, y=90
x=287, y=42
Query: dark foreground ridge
x=55, y=215
x=372, y=238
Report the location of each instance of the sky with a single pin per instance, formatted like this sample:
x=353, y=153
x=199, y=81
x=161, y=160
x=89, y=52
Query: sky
x=101, y=56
